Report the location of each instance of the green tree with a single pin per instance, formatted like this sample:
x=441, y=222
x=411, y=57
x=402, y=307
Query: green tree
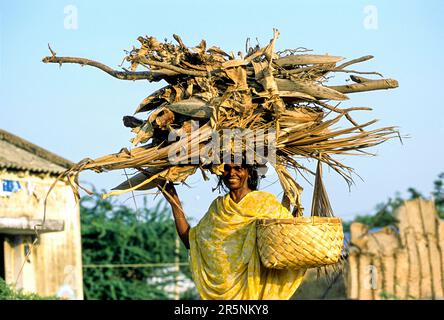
x=8, y=293
x=438, y=194
x=114, y=234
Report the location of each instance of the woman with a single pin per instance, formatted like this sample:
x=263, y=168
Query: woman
x=224, y=260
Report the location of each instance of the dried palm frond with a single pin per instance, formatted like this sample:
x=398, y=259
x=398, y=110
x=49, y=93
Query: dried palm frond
x=209, y=91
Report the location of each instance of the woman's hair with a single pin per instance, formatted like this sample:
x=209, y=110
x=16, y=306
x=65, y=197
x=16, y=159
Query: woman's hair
x=253, y=179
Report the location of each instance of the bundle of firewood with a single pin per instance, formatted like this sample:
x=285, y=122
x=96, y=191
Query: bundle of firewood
x=283, y=94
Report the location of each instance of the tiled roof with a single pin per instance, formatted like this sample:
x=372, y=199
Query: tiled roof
x=18, y=154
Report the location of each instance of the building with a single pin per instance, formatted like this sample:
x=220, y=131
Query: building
x=49, y=262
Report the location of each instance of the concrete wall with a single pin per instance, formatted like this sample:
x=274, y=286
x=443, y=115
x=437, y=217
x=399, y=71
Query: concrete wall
x=55, y=264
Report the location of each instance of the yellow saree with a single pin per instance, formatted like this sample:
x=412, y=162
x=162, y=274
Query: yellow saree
x=224, y=260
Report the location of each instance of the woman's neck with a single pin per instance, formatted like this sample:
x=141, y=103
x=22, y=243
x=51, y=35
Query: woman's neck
x=238, y=194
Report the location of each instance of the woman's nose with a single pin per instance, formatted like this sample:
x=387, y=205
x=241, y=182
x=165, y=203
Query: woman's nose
x=231, y=172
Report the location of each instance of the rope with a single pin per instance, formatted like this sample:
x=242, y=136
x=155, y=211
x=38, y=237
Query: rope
x=135, y=265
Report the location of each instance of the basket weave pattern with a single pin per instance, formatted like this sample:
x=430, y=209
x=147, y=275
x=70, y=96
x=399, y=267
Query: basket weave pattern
x=301, y=242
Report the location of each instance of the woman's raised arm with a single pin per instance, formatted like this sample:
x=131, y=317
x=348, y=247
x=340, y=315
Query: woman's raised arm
x=182, y=225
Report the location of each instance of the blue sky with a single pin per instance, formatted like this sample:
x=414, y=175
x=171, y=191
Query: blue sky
x=76, y=112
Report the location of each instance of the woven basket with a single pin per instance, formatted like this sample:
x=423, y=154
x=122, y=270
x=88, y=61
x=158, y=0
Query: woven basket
x=301, y=242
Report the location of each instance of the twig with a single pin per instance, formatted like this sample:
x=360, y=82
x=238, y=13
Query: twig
x=345, y=112
x=179, y=41
x=353, y=71
x=52, y=52
x=156, y=75
x=358, y=60
x=173, y=68
x=359, y=79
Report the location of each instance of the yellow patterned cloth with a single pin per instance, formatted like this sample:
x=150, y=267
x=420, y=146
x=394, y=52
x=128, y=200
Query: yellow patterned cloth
x=224, y=259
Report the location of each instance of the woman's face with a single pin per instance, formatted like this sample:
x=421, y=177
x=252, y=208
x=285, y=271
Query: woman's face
x=235, y=176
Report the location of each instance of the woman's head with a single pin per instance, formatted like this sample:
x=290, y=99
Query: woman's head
x=236, y=176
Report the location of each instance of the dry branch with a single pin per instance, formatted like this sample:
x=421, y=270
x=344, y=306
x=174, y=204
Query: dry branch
x=209, y=88
x=303, y=59
x=354, y=61
x=367, y=86
x=122, y=75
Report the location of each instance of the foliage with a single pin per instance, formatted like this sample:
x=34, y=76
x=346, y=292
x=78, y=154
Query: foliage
x=385, y=212
x=8, y=293
x=114, y=235
x=438, y=194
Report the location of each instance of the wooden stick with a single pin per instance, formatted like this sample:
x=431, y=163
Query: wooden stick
x=301, y=59
x=179, y=41
x=366, y=86
x=172, y=68
x=359, y=79
x=155, y=76
x=358, y=60
x=353, y=71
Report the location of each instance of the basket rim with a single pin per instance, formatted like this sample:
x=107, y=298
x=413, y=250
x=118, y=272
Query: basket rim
x=301, y=220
